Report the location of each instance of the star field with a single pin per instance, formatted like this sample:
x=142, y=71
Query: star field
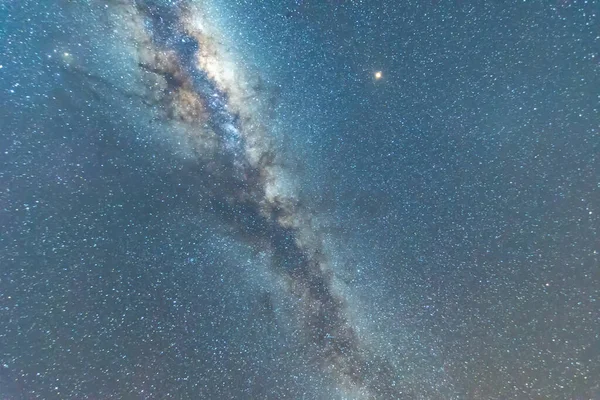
x=299, y=200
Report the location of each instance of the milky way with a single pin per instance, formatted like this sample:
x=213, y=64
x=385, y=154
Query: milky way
x=184, y=64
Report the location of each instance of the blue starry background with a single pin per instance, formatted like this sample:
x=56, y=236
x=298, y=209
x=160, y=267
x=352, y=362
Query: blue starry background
x=459, y=196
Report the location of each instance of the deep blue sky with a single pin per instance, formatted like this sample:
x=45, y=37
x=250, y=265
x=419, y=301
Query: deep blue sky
x=457, y=200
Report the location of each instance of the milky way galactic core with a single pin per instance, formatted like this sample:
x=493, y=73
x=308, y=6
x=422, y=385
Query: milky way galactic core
x=196, y=85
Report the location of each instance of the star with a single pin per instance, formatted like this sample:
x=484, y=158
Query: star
x=378, y=75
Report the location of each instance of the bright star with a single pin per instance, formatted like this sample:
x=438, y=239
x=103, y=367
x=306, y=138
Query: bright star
x=378, y=75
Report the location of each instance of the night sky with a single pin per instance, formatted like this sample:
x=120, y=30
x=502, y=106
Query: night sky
x=299, y=199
